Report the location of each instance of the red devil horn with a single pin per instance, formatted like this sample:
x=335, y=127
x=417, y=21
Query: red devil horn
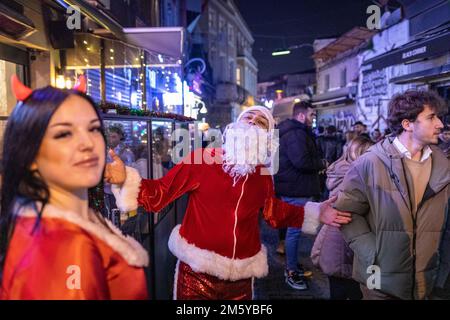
x=80, y=85
x=20, y=90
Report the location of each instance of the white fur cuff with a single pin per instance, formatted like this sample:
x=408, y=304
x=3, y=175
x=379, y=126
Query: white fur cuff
x=126, y=195
x=311, y=221
x=212, y=263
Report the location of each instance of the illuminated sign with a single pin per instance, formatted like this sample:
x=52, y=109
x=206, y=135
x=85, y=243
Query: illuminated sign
x=152, y=78
x=197, y=83
x=172, y=98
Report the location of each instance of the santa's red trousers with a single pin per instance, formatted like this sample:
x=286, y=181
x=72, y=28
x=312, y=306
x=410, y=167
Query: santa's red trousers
x=191, y=285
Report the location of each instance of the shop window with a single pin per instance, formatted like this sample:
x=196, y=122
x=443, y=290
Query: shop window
x=124, y=76
x=7, y=99
x=230, y=34
x=133, y=78
x=83, y=59
x=231, y=71
x=327, y=83
x=162, y=147
x=165, y=89
x=211, y=20
x=222, y=27
x=343, y=77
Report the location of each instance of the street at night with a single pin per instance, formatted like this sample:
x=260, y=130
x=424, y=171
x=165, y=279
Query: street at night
x=252, y=150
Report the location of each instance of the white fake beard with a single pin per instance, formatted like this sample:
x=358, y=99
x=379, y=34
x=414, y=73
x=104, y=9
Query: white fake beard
x=245, y=146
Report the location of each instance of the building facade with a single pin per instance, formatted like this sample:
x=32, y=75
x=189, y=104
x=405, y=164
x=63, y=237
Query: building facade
x=123, y=66
x=412, y=51
x=227, y=43
x=337, y=71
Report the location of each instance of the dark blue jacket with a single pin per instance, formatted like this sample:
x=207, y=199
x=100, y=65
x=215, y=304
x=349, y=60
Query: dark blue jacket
x=300, y=161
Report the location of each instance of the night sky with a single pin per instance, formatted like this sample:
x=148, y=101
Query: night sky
x=293, y=22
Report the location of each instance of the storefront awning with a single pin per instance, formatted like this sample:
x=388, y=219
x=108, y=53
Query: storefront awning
x=427, y=46
x=166, y=41
x=347, y=41
x=334, y=97
x=423, y=76
x=14, y=25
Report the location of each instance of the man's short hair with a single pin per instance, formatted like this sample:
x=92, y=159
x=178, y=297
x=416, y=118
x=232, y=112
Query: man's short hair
x=117, y=129
x=358, y=122
x=408, y=105
x=301, y=107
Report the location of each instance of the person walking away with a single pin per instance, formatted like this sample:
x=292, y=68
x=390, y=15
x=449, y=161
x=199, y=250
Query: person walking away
x=297, y=180
x=330, y=252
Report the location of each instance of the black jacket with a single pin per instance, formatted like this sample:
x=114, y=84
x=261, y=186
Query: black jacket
x=300, y=161
x=330, y=147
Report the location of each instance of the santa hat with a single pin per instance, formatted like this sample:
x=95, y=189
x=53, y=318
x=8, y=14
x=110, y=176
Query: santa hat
x=266, y=112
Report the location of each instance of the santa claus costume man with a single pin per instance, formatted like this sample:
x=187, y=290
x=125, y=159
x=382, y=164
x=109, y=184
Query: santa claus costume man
x=218, y=244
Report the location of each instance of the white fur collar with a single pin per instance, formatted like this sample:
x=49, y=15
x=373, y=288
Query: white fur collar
x=131, y=250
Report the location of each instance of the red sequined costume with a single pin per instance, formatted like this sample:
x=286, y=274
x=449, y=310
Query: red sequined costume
x=67, y=257
x=218, y=240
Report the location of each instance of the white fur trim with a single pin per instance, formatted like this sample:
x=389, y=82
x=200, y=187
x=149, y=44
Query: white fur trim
x=311, y=221
x=126, y=195
x=130, y=250
x=206, y=261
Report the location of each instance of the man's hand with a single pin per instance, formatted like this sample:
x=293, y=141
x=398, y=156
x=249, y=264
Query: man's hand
x=115, y=172
x=331, y=216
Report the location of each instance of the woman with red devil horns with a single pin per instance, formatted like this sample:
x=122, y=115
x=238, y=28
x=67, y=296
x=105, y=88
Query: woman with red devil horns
x=52, y=245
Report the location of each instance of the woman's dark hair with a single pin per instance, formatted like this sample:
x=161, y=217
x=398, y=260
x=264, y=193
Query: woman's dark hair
x=409, y=104
x=23, y=136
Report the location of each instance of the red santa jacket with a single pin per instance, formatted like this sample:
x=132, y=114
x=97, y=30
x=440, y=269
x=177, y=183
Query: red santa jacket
x=219, y=234
x=67, y=257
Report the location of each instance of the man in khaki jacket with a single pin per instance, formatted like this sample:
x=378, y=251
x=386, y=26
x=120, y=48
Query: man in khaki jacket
x=398, y=193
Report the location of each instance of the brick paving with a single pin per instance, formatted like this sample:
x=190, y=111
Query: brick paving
x=274, y=287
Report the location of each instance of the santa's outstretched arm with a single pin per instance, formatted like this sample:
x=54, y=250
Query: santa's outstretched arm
x=280, y=214
x=131, y=191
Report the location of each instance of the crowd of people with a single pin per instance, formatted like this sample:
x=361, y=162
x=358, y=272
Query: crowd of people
x=332, y=142
x=397, y=188
x=386, y=209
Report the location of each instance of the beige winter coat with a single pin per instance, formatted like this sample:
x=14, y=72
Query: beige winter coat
x=385, y=232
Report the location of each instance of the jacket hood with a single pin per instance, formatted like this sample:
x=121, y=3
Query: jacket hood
x=336, y=173
x=391, y=157
x=291, y=124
